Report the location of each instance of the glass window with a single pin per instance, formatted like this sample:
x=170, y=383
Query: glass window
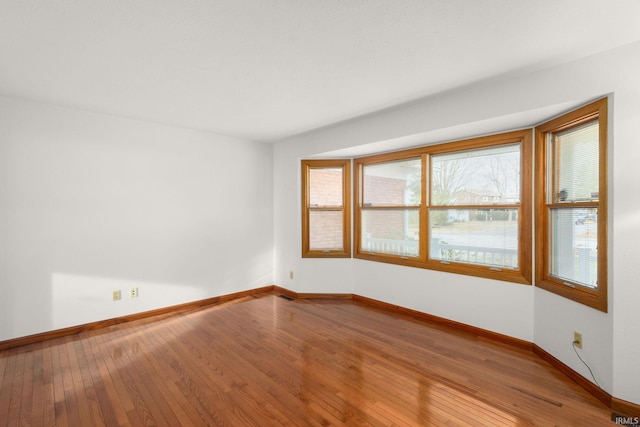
x=475, y=236
x=326, y=208
x=387, y=231
x=573, y=245
x=465, y=206
x=325, y=230
x=475, y=176
x=396, y=183
x=390, y=211
x=462, y=207
x=575, y=173
x=474, y=216
x=571, y=224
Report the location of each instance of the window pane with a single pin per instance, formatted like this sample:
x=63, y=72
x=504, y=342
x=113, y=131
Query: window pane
x=476, y=177
x=325, y=208
x=576, y=172
x=475, y=236
x=325, y=187
x=574, y=244
x=325, y=230
x=393, y=183
x=389, y=231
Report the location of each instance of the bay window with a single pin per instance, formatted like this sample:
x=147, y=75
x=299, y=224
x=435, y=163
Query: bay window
x=466, y=207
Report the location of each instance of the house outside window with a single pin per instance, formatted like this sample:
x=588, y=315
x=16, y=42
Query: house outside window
x=326, y=208
x=460, y=207
x=466, y=207
x=390, y=211
x=483, y=231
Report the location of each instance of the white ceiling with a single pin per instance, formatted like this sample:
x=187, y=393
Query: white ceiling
x=268, y=69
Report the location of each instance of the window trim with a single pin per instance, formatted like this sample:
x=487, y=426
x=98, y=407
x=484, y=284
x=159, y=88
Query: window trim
x=359, y=207
x=595, y=298
x=521, y=275
x=306, y=166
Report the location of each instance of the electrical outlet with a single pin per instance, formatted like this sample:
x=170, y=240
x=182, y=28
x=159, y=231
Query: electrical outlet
x=291, y=275
x=577, y=339
x=133, y=292
x=117, y=295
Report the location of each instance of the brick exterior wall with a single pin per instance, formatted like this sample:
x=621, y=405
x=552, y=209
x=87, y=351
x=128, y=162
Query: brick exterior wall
x=379, y=190
x=325, y=189
x=326, y=226
x=384, y=191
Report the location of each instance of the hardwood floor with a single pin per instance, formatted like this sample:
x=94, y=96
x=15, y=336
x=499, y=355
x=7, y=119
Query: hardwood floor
x=265, y=360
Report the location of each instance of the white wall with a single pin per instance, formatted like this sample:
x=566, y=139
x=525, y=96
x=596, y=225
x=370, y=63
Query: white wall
x=611, y=340
x=92, y=203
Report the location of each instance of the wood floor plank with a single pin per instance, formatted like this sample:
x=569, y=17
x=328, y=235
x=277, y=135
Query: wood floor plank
x=18, y=383
x=147, y=410
x=48, y=394
x=83, y=393
x=38, y=379
x=190, y=372
x=117, y=393
x=267, y=361
x=6, y=386
x=27, y=396
x=70, y=397
x=59, y=409
x=101, y=401
x=4, y=361
x=164, y=381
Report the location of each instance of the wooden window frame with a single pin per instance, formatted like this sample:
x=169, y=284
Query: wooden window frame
x=307, y=165
x=521, y=275
x=359, y=207
x=595, y=298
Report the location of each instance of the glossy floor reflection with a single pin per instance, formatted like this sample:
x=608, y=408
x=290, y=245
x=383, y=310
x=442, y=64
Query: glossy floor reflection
x=265, y=360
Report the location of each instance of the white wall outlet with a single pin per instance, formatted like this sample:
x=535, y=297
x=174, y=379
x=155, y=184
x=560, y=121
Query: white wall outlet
x=291, y=275
x=577, y=339
x=133, y=292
